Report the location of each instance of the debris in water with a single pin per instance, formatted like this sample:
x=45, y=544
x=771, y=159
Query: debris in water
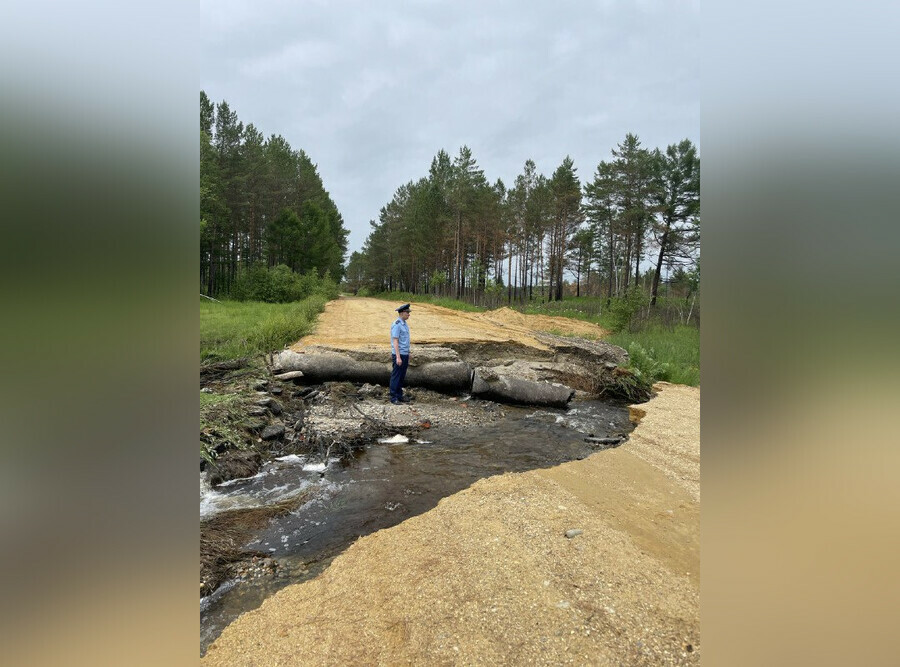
x=395, y=440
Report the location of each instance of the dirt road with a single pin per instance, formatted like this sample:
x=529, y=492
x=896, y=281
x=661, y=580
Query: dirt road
x=489, y=575
x=351, y=322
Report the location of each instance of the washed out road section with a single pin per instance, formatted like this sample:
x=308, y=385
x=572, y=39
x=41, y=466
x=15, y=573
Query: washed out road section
x=489, y=576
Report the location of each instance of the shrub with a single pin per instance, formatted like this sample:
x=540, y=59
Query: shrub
x=628, y=384
x=623, y=310
x=644, y=361
x=279, y=284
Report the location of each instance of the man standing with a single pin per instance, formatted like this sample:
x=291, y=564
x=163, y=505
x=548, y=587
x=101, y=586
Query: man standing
x=399, y=354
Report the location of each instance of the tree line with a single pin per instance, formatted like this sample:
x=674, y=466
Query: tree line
x=454, y=233
x=262, y=204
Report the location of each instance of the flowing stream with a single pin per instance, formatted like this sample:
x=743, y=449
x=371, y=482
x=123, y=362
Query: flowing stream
x=383, y=484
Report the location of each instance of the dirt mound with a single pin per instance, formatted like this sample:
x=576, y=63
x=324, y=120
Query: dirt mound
x=507, y=317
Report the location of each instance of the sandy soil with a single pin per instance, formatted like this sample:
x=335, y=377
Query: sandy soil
x=489, y=577
x=351, y=322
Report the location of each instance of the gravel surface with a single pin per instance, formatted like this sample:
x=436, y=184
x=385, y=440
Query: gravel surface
x=489, y=576
x=669, y=435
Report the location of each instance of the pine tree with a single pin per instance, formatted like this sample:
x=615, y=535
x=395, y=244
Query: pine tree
x=678, y=198
x=602, y=214
x=566, y=192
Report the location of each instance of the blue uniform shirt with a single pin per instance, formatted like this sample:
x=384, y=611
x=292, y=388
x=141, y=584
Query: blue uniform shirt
x=400, y=329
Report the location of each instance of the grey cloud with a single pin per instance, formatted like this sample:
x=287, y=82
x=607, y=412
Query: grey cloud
x=372, y=91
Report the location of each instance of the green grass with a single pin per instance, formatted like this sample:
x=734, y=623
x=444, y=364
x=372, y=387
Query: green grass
x=667, y=354
x=586, y=308
x=214, y=400
x=235, y=329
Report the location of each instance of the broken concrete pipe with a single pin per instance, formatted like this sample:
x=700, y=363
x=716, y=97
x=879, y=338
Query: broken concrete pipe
x=444, y=376
x=507, y=389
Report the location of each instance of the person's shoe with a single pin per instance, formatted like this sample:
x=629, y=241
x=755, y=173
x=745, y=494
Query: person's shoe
x=405, y=399
x=394, y=401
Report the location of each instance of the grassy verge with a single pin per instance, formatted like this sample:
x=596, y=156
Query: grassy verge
x=235, y=329
x=662, y=353
x=584, y=308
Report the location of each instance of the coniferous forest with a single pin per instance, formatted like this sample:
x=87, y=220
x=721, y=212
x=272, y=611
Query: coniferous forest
x=265, y=214
x=262, y=206
x=453, y=233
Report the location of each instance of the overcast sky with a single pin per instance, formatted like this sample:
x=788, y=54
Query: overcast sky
x=372, y=90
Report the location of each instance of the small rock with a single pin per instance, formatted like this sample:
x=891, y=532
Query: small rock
x=270, y=403
x=574, y=532
x=256, y=412
x=275, y=390
x=260, y=385
x=272, y=432
x=206, y=390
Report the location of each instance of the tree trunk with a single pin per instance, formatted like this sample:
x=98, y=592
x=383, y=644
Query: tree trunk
x=611, y=265
x=578, y=278
x=509, y=277
x=637, y=255
x=659, y=263
x=211, y=285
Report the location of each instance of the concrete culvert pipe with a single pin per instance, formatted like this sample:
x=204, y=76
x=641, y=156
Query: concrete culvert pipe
x=447, y=376
x=506, y=389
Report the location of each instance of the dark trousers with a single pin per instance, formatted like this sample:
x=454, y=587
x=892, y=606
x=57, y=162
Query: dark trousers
x=398, y=376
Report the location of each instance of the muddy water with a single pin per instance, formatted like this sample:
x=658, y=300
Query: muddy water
x=383, y=484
